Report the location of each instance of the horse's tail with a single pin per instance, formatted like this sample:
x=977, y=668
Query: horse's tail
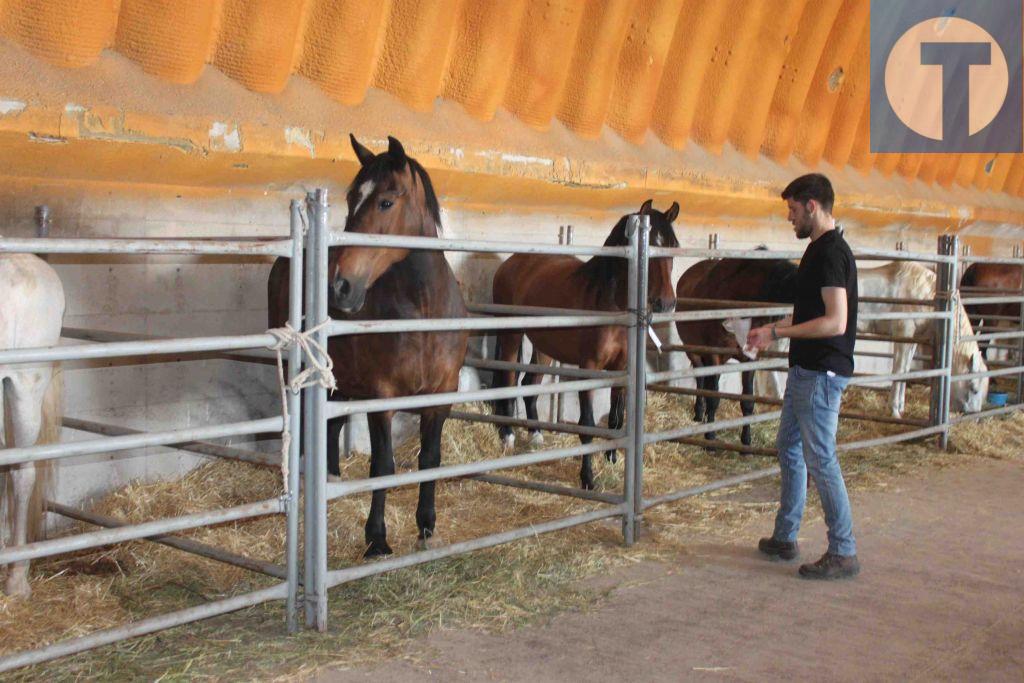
x=52, y=410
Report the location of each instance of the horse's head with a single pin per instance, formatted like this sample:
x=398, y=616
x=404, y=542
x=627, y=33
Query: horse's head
x=661, y=294
x=391, y=195
x=968, y=396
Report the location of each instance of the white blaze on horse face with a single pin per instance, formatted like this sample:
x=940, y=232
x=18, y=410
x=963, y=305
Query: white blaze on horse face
x=365, y=190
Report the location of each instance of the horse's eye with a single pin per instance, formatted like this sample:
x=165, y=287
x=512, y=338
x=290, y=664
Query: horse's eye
x=386, y=204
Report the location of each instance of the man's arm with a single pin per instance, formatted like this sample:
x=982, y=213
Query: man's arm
x=832, y=324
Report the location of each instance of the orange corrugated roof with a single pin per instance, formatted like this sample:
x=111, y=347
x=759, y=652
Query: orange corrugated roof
x=786, y=79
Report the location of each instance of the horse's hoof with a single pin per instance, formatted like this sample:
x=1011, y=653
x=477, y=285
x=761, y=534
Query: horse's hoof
x=429, y=542
x=377, y=549
x=17, y=587
x=611, y=456
x=587, y=485
x=536, y=439
x=334, y=478
x=508, y=443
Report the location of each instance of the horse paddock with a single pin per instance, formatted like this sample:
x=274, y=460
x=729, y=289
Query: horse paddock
x=153, y=591
x=491, y=591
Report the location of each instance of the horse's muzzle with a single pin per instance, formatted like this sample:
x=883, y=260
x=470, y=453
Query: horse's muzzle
x=662, y=305
x=346, y=295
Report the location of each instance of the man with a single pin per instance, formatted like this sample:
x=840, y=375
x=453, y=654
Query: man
x=823, y=329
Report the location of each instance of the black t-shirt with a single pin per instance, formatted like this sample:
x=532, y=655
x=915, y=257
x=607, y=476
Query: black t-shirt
x=827, y=262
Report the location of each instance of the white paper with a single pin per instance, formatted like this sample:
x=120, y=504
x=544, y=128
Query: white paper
x=739, y=328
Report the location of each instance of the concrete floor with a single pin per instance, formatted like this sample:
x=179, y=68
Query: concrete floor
x=940, y=596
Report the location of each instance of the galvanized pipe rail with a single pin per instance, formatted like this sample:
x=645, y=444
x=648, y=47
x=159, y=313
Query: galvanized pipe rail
x=118, y=531
x=317, y=576
x=629, y=506
x=186, y=544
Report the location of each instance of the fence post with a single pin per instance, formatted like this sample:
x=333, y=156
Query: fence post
x=308, y=426
x=555, y=410
x=945, y=334
x=294, y=426
x=319, y=416
x=637, y=373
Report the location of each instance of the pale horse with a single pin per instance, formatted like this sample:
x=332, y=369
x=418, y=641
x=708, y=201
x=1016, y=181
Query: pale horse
x=31, y=313
x=910, y=280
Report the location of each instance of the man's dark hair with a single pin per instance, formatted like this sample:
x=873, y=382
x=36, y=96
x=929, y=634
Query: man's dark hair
x=811, y=186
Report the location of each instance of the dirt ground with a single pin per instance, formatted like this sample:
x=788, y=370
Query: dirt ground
x=940, y=596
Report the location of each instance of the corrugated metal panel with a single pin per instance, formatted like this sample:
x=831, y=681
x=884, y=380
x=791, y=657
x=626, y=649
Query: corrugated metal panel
x=782, y=78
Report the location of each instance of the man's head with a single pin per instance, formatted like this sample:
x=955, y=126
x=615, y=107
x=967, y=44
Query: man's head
x=809, y=198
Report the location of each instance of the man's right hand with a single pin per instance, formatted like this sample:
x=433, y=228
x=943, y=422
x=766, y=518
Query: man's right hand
x=760, y=338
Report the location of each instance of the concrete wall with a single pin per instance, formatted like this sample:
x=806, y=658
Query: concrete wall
x=187, y=296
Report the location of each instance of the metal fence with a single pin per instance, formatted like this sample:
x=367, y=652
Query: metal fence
x=117, y=439
x=938, y=375
x=318, y=577
x=308, y=303
x=1008, y=337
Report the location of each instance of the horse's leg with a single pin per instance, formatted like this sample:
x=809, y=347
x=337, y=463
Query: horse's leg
x=382, y=463
x=24, y=392
x=431, y=425
x=698, y=402
x=334, y=427
x=903, y=355
x=711, y=384
x=586, y=420
x=616, y=416
x=747, y=407
x=530, y=378
x=506, y=349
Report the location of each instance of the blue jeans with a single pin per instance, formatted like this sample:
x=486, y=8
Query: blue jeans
x=807, y=443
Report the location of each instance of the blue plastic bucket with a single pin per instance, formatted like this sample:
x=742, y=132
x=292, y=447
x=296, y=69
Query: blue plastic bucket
x=997, y=398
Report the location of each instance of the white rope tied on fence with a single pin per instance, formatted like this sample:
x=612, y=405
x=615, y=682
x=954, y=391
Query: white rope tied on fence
x=319, y=373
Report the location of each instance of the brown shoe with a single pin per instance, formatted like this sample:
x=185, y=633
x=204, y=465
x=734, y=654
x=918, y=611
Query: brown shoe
x=785, y=550
x=831, y=566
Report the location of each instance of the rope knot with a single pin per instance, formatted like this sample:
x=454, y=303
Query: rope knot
x=320, y=372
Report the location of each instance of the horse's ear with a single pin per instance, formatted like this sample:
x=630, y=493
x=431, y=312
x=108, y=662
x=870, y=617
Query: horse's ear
x=364, y=155
x=645, y=208
x=671, y=214
x=396, y=150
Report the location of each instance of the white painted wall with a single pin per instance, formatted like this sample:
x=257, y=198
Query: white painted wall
x=191, y=296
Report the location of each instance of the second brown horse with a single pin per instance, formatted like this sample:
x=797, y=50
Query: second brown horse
x=599, y=284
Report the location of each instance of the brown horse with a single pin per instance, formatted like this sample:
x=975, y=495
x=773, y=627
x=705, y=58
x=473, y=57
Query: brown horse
x=735, y=279
x=391, y=195
x=566, y=282
x=991, y=276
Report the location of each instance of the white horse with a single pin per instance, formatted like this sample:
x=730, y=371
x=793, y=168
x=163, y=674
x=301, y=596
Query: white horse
x=909, y=280
x=31, y=313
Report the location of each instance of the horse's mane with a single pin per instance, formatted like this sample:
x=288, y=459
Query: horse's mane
x=780, y=279
x=780, y=282
x=382, y=166
x=602, y=269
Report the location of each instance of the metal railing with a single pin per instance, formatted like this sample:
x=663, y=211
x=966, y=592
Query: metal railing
x=114, y=439
x=318, y=576
x=308, y=303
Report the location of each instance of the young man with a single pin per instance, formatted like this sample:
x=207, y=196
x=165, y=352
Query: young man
x=823, y=329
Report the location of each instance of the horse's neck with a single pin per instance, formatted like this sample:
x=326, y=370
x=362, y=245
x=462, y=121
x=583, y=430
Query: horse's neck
x=422, y=279
x=605, y=280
